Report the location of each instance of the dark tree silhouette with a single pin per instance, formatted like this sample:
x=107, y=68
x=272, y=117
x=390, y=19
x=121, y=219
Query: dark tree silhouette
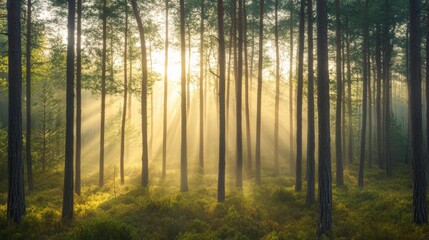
x=221, y=59
x=259, y=94
x=15, y=197
x=124, y=106
x=310, y=198
x=67, y=211
x=103, y=93
x=78, y=97
x=415, y=98
x=145, y=155
x=325, y=180
x=338, y=141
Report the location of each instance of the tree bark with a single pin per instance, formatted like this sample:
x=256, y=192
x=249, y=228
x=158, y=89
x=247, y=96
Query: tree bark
x=338, y=141
x=145, y=155
x=246, y=93
x=298, y=175
x=419, y=181
x=259, y=94
x=349, y=97
x=325, y=181
x=310, y=198
x=365, y=95
x=124, y=107
x=386, y=92
x=183, y=158
x=221, y=59
x=380, y=157
x=78, y=97
x=103, y=94
x=67, y=210
x=15, y=197
x=291, y=165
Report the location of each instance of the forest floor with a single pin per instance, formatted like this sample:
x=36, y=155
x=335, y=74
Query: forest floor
x=272, y=210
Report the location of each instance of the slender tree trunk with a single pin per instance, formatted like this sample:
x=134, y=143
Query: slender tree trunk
x=259, y=94
x=277, y=98
x=231, y=54
x=28, y=93
x=201, y=147
x=349, y=99
x=221, y=59
x=246, y=93
x=378, y=99
x=292, y=165
x=310, y=198
x=78, y=97
x=338, y=141
x=238, y=91
x=298, y=175
x=67, y=210
x=103, y=94
x=369, y=109
x=124, y=107
x=183, y=159
x=386, y=73
x=419, y=181
x=365, y=95
x=164, y=123
x=15, y=197
x=325, y=181
x=145, y=156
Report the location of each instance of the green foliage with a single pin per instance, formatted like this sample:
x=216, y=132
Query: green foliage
x=104, y=229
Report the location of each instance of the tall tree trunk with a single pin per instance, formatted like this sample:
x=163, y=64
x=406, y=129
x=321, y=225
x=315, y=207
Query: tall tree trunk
x=338, y=141
x=349, y=96
x=67, y=210
x=292, y=165
x=419, y=182
x=78, y=97
x=145, y=155
x=277, y=98
x=103, y=94
x=380, y=157
x=386, y=92
x=201, y=147
x=231, y=55
x=15, y=197
x=369, y=109
x=183, y=158
x=28, y=93
x=221, y=59
x=238, y=96
x=325, y=181
x=246, y=93
x=259, y=94
x=298, y=176
x=124, y=107
x=164, y=123
x=310, y=198
x=365, y=94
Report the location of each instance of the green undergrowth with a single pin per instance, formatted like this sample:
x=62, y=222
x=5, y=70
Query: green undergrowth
x=272, y=210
